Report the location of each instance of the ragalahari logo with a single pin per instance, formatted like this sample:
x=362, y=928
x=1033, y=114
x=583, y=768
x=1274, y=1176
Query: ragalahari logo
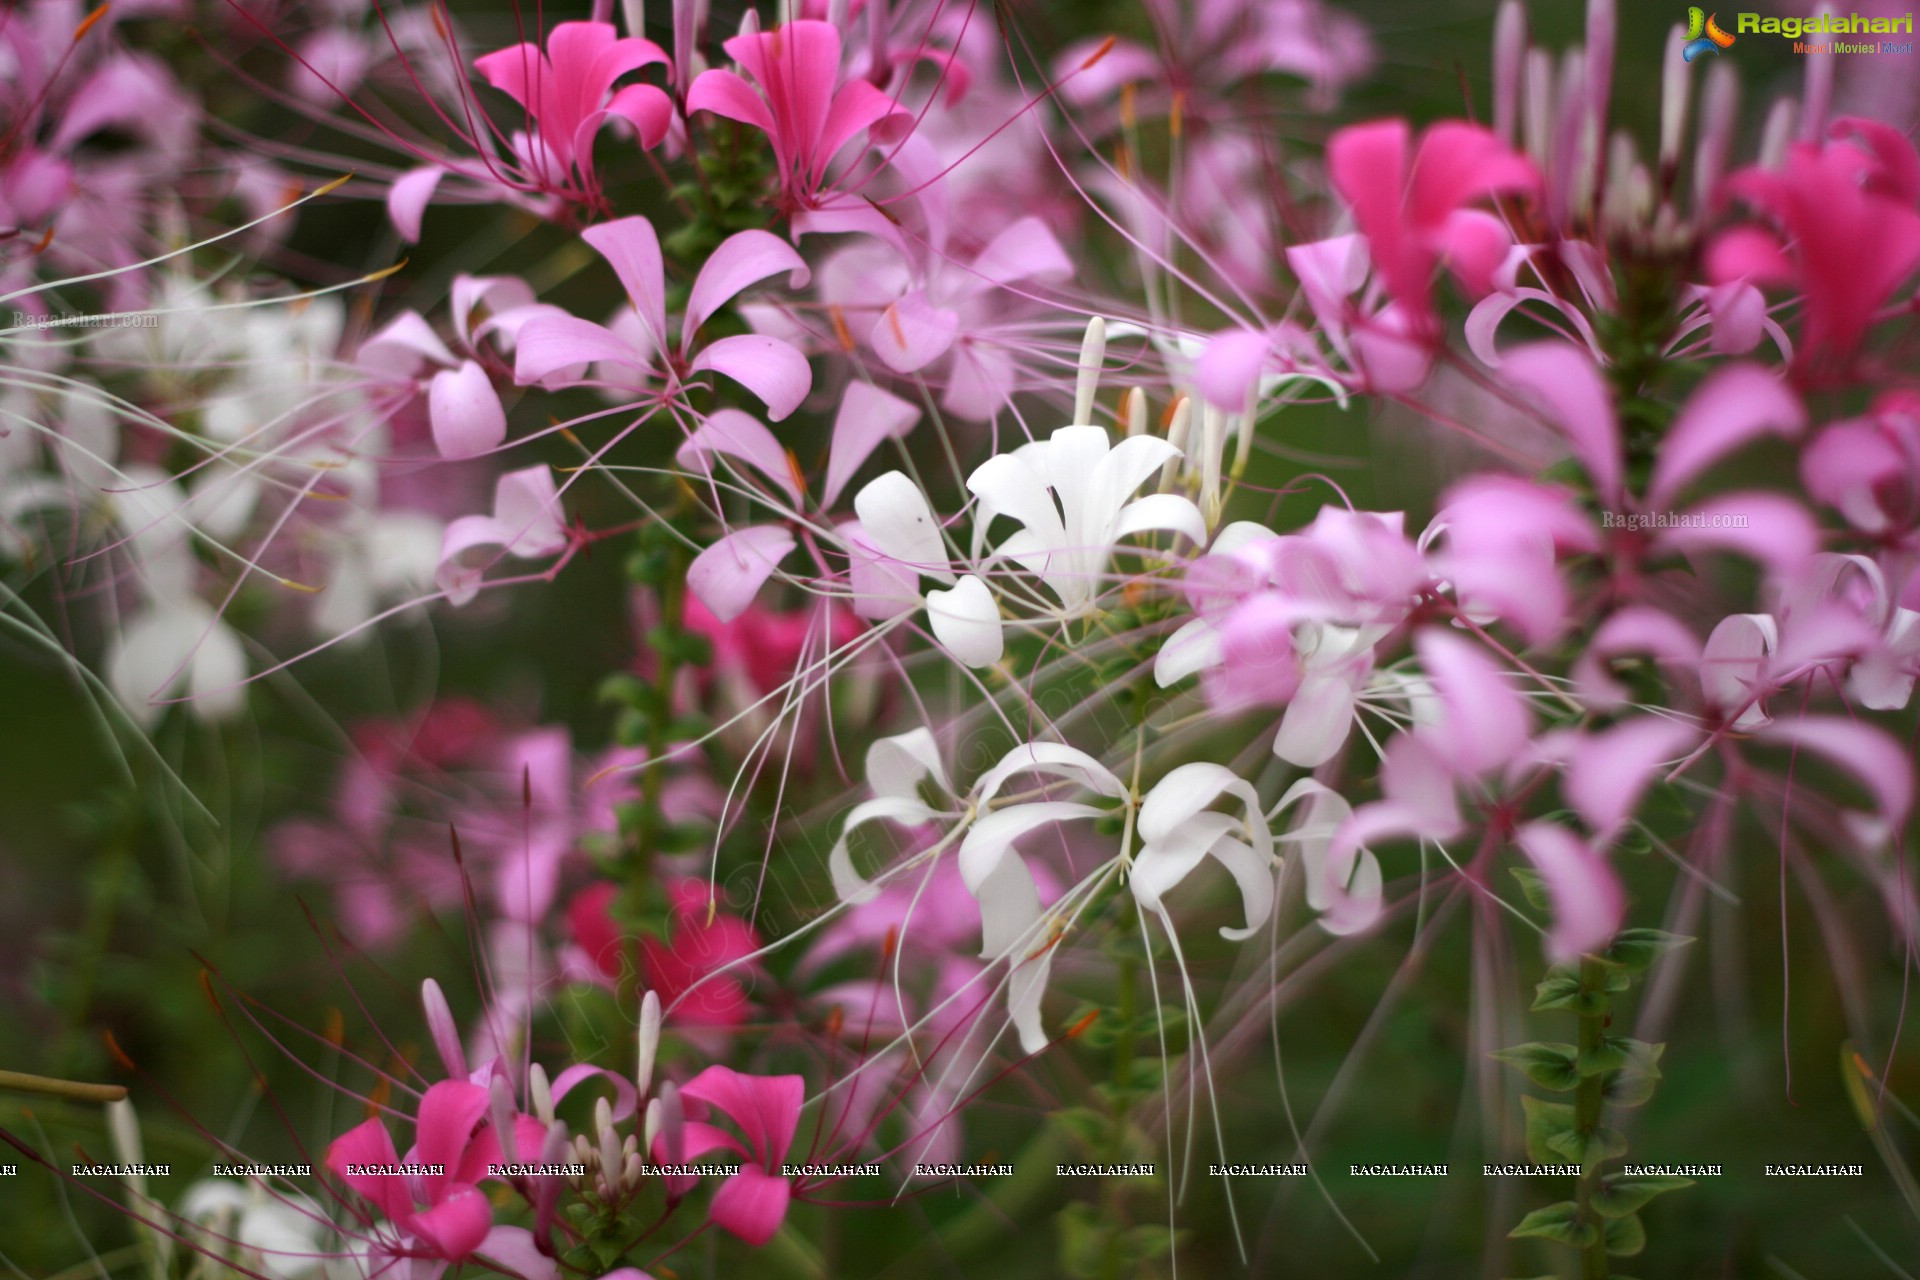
x=1703, y=34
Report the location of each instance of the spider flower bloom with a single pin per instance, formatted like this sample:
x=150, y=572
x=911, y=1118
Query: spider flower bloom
x=1842, y=229
x=566, y=94
x=1411, y=204
x=432, y=1198
x=554, y=347
x=802, y=106
x=684, y=968
x=753, y=1202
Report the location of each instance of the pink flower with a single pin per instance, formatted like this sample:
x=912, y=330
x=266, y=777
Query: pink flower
x=753, y=1202
x=1412, y=208
x=802, y=106
x=443, y=1215
x=1844, y=231
x=683, y=968
x=639, y=349
x=565, y=93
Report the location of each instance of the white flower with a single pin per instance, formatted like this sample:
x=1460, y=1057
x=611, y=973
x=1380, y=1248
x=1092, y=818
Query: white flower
x=280, y=1237
x=1073, y=496
x=1177, y=830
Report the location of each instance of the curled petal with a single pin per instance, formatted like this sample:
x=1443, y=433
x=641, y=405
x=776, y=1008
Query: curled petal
x=966, y=621
x=727, y=575
x=1588, y=900
x=465, y=412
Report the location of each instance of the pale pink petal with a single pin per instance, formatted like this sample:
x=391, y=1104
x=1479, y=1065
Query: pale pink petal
x=727, y=575
x=1871, y=755
x=1607, y=772
x=740, y=261
x=1736, y=404
x=553, y=341
x=1229, y=369
x=408, y=197
x=1485, y=720
x=1733, y=666
x=1024, y=250
x=465, y=412
x=632, y=249
x=912, y=333
x=1588, y=899
x=736, y=434
x=774, y=370
x=880, y=586
x=527, y=506
x=1575, y=398
x=1636, y=629
x=400, y=348
x=1769, y=528
x=867, y=416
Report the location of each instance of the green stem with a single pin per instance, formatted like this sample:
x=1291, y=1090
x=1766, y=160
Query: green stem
x=1588, y=1104
x=1125, y=1046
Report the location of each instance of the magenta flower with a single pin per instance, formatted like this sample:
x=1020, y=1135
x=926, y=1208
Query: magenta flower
x=439, y=1215
x=639, y=349
x=802, y=106
x=1844, y=231
x=753, y=1202
x=566, y=94
x=1413, y=208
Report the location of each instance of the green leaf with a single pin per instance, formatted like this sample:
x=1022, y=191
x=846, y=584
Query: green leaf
x=1622, y=1197
x=1083, y=1240
x=1551, y=1066
x=1638, y=1079
x=1636, y=949
x=1626, y=1236
x=1563, y=991
x=1612, y=1054
x=1532, y=887
x=1084, y=1124
x=1545, y=1122
x=1588, y=1148
x=1557, y=1222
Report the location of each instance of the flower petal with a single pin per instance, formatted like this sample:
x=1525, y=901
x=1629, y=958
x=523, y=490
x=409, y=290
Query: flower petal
x=727, y=575
x=966, y=621
x=465, y=412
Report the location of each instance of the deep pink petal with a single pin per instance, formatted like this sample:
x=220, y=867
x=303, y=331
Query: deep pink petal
x=767, y=1108
x=455, y=1227
x=369, y=1143
x=752, y=1204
